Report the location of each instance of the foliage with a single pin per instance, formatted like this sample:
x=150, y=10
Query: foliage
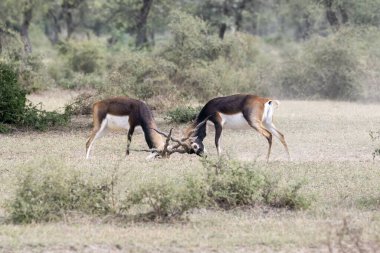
x=325, y=68
x=82, y=104
x=12, y=96
x=83, y=57
x=374, y=137
x=287, y=196
x=182, y=114
x=235, y=185
x=14, y=108
x=141, y=75
x=36, y=118
x=167, y=201
x=4, y=129
x=226, y=185
x=48, y=193
x=192, y=42
x=232, y=184
x=33, y=74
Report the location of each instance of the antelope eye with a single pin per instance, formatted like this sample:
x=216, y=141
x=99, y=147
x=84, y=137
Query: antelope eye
x=195, y=146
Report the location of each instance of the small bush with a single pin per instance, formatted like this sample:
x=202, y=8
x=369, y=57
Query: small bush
x=375, y=136
x=324, y=68
x=192, y=42
x=182, y=114
x=284, y=197
x=48, y=195
x=12, y=96
x=4, y=129
x=33, y=74
x=15, y=110
x=167, y=201
x=226, y=185
x=141, y=75
x=85, y=57
x=82, y=104
x=36, y=118
x=372, y=203
x=233, y=184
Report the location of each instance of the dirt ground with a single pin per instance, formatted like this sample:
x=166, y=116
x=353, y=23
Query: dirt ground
x=331, y=152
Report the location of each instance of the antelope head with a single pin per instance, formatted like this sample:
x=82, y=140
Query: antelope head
x=186, y=145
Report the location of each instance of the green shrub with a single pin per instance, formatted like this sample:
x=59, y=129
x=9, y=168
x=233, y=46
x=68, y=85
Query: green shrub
x=284, y=197
x=85, y=57
x=4, y=129
x=235, y=186
x=38, y=119
x=232, y=184
x=82, y=104
x=182, y=114
x=12, y=96
x=167, y=201
x=192, y=42
x=325, y=68
x=369, y=203
x=13, y=107
x=33, y=74
x=48, y=193
x=375, y=136
x=141, y=75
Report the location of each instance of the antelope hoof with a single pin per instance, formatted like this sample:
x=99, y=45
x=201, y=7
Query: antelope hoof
x=151, y=156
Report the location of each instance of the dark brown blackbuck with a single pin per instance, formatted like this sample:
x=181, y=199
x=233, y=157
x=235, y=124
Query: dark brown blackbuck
x=240, y=111
x=124, y=113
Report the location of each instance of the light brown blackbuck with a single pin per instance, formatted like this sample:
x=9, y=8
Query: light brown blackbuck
x=124, y=113
x=239, y=111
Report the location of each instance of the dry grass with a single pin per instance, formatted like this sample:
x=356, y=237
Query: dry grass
x=330, y=148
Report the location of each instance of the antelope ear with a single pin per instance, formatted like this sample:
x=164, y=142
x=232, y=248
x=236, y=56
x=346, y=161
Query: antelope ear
x=193, y=138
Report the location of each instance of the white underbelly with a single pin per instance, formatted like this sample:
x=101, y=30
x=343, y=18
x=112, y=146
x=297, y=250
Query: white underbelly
x=234, y=121
x=117, y=122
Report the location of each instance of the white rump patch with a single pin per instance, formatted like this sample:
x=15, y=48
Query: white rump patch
x=117, y=122
x=234, y=121
x=268, y=111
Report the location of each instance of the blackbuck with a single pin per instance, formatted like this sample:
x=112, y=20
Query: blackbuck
x=127, y=114
x=239, y=111
x=124, y=113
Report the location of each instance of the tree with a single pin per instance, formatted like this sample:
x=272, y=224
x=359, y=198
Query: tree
x=17, y=16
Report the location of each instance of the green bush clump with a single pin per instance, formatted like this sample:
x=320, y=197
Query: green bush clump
x=192, y=41
x=287, y=196
x=325, y=68
x=182, y=114
x=141, y=75
x=49, y=191
x=375, y=136
x=12, y=96
x=14, y=108
x=226, y=185
x=167, y=201
x=38, y=119
x=48, y=195
x=85, y=57
x=233, y=184
x=33, y=74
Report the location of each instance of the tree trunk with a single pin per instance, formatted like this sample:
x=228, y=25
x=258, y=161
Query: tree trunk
x=52, y=28
x=331, y=14
x=68, y=6
x=141, y=29
x=239, y=14
x=222, y=30
x=24, y=30
x=344, y=14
